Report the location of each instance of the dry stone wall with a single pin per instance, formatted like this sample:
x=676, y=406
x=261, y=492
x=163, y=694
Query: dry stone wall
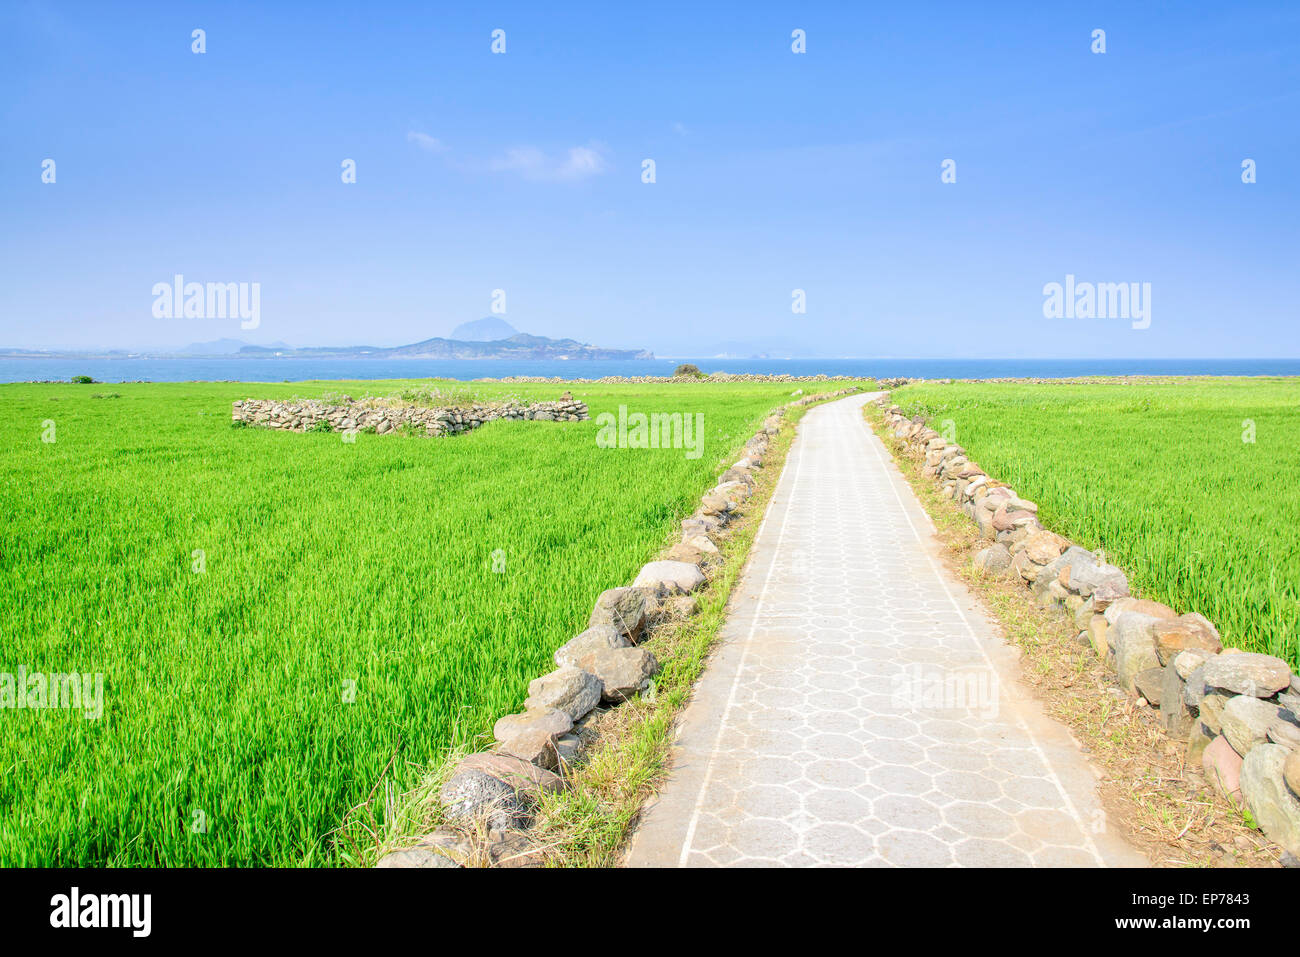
x=1239, y=712
x=603, y=666
x=308, y=416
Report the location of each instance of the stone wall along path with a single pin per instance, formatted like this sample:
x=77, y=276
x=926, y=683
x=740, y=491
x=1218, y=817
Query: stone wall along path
x=861, y=709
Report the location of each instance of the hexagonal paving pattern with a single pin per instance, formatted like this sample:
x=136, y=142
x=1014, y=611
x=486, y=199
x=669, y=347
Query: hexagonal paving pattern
x=856, y=713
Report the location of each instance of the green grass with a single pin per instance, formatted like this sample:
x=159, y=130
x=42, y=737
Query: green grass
x=326, y=563
x=1157, y=474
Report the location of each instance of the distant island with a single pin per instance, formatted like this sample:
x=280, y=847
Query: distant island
x=519, y=346
x=489, y=338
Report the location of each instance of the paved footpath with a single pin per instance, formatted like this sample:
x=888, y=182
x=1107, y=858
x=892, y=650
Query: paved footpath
x=861, y=709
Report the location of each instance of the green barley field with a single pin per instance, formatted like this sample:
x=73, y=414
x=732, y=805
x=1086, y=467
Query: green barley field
x=289, y=623
x=1190, y=485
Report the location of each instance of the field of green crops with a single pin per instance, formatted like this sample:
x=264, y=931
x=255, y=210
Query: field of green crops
x=279, y=618
x=1191, y=486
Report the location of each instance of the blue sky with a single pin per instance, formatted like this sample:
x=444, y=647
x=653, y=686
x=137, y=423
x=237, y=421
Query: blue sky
x=775, y=171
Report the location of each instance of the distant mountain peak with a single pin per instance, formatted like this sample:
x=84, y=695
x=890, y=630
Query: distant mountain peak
x=488, y=329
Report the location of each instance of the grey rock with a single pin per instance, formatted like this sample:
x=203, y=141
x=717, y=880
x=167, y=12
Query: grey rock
x=1246, y=721
x=994, y=560
x=571, y=690
x=1106, y=594
x=734, y=492
x=416, y=857
x=1260, y=676
x=700, y=525
x=1188, y=661
x=1141, y=605
x=567, y=747
x=1211, y=712
x=1051, y=595
x=1132, y=640
x=470, y=795
x=736, y=475
x=1149, y=684
x=595, y=638
x=679, y=577
x=624, y=608
x=1175, y=716
x=1286, y=734
x=1275, y=807
x=1195, y=688
x=1087, y=577
x=1083, y=614
x=623, y=672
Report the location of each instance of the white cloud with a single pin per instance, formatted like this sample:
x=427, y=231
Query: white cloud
x=529, y=162
x=426, y=142
x=578, y=162
x=679, y=129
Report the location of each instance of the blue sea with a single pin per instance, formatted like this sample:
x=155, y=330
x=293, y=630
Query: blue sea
x=237, y=369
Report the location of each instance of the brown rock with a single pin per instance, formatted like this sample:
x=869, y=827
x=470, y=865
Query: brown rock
x=535, y=747
x=1141, y=605
x=1008, y=516
x=1222, y=766
x=1211, y=712
x=548, y=720
x=1291, y=772
x=515, y=849
x=1197, y=741
x=715, y=503
x=521, y=775
x=1022, y=566
x=683, y=606
x=1185, y=632
x=734, y=474
x=1097, y=629
x=703, y=543
x=442, y=848
x=1044, y=547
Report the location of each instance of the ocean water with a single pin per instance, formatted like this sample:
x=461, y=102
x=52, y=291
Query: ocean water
x=296, y=370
